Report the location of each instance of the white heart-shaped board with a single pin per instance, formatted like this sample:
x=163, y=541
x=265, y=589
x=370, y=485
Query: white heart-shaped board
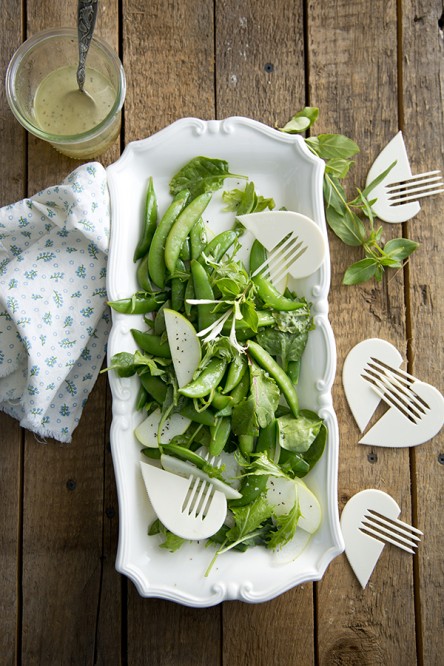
x=394, y=429
x=416, y=409
x=361, y=398
x=362, y=550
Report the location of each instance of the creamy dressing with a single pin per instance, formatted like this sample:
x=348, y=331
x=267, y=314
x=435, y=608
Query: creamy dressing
x=61, y=108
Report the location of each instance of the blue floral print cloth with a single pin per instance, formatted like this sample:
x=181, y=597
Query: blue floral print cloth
x=54, y=320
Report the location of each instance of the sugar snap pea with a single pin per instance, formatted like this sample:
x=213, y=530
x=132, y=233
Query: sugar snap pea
x=267, y=362
x=208, y=379
x=178, y=286
x=240, y=391
x=238, y=367
x=149, y=222
x=202, y=290
x=182, y=227
x=142, y=274
x=153, y=344
x=258, y=255
x=156, y=255
x=219, y=435
x=272, y=298
x=140, y=303
x=251, y=487
x=246, y=445
x=218, y=246
x=141, y=398
x=198, y=238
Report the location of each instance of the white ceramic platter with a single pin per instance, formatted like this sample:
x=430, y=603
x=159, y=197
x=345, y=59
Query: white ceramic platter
x=281, y=167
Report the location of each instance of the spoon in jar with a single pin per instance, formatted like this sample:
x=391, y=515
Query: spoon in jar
x=86, y=20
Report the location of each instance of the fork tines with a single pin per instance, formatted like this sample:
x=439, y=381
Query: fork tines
x=198, y=498
x=393, y=531
x=280, y=259
x=416, y=187
x=394, y=387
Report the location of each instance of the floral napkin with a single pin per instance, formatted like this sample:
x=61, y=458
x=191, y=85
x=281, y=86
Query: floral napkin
x=54, y=321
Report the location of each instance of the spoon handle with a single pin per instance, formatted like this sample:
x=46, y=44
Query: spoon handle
x=86, y=20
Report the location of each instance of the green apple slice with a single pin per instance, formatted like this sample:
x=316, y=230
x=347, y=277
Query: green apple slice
x=282, y=493
x=147, y=431
x=184, y=345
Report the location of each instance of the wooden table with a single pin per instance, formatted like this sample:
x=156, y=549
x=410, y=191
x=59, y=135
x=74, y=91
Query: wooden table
x=372, y=68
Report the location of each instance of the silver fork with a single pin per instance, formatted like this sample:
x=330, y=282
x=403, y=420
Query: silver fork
x=394, y=387
x=392, y=530
x=416, y=187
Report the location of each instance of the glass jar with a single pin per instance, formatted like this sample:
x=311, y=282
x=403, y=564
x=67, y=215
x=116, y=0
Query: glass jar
x=42, y=93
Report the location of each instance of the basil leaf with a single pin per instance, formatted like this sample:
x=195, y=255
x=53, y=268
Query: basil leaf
x=123, y=364
x=348, y=227
x=338, y=167
x=334, y=195
x=400, y=248
x=327, y=146
x=301, y=121
x=361, y=271
x=201, y=174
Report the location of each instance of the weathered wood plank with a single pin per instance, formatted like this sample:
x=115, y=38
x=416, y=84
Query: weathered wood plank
x=64, y=576
x=260, y=74
x=423, y=126
x=12, y=188
x=353, y=80
x=168, y=59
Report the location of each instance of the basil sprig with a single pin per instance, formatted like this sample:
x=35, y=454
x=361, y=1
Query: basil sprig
x=352, y=221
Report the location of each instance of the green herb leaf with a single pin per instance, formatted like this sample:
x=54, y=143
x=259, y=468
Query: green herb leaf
x=400, y=248
x=301, y=120
x=360, y=271
x=248, y=518
x=328, y=146
x=298, y=434
x=123, y=364
x=348, y=227
x=265, y=394
x=286, y=526
x=338, y=167
x=246, y=201
x=201, y=174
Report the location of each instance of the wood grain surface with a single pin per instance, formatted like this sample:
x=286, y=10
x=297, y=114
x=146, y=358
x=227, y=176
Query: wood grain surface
x=372, y=69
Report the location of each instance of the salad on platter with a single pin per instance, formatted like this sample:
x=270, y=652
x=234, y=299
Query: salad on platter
x=217, y=364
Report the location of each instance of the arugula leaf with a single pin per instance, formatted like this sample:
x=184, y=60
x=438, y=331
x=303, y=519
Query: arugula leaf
x=171, y=542
x=247, y=519
x=286, y=526
x=201, y=174
x=261, y=464
x=246, y=201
